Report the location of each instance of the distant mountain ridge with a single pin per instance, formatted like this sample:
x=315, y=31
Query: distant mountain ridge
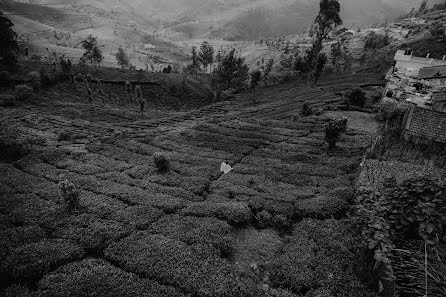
x=237, y=19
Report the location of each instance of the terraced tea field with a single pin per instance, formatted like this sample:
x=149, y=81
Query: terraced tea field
x=275, y=225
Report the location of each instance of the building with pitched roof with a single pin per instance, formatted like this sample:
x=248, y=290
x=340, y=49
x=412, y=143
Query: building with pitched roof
x=420, y=83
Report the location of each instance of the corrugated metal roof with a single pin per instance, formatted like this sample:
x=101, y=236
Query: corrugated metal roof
x=432, y=72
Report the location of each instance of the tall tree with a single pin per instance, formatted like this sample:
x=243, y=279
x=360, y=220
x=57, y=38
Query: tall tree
x=195, y=59
x=267, y=69
x=232, y=70
x=122, y=58
x=423, y=7
x=256, y=76
x=326, y=21
x=9, y=48
x=206, y=54
x=93, y=53
x=321, y=61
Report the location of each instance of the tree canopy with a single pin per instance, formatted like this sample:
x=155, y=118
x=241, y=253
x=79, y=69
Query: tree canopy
x=206, y=54
x=122, y=58
x=8, y=45
x=327, y=20
x=321, y=61
x=93, y=53
x=232, y=70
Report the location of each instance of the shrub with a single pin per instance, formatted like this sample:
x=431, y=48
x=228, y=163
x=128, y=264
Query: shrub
x=416, y=207
x=34, y=80
x=7, y=100
x=209, y=232
x=280, y=221
x=5, y=76
x=306, y=110
x=35, y=58
x=23, y=92
x=47, y=78
x=264, y=219
x=356, y=97
x=390, y=110
x=69, y=192
x=161, y=162
x=333, y=130
x=227, y=94
x=376, y=41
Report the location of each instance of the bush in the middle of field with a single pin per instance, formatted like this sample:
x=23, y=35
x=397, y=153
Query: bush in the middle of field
x=161, y=162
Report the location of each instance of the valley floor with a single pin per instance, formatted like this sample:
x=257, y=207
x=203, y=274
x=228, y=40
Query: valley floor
x=275, y=225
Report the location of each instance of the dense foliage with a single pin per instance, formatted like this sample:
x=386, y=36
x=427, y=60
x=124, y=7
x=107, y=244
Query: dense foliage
x=206, y=54
x=9, y=48
x=311, y=267
x=232, y=71
x=376, y=41
x=161, y=162
x=256, y=77
x=356, y=97
x=320, y=64
x=333, y=130
x=69, y=192
x=415, y=208
x=122, y=58
x=93, y=53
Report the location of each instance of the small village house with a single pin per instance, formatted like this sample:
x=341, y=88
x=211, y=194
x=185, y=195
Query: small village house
x=420, y=82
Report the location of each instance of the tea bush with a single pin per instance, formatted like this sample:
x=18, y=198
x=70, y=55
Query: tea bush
x=7, y=100
x=356, y=97
x=95, y=277
x=178, y=264
x=161, y=162
x=23, y=92
x=34, y=80
x=232, y=212
x=5, y=76
x=306, y=110
x=195, y=231
x=29, y=262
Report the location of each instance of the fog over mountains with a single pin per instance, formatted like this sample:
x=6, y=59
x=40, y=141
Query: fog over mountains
x=245, y=19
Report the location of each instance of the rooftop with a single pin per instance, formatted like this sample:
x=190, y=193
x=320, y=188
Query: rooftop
x=403, y=56
x=432, y=72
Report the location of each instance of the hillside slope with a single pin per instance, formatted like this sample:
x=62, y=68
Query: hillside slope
x=229, y=18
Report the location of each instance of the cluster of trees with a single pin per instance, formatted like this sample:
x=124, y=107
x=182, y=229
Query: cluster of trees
x=232, y=72
x=203, y=58
x=438, y=31
x=424, y=8
x=313, y=61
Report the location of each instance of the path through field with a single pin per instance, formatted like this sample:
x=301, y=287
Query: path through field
x=273, y=226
